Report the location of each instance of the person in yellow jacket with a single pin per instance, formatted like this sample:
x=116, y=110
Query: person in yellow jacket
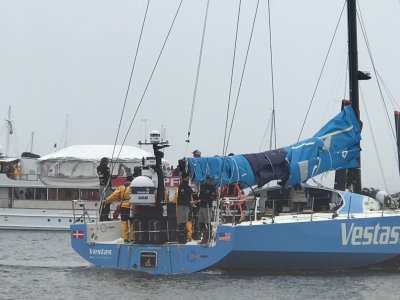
x=122, y=194
x=16, y=171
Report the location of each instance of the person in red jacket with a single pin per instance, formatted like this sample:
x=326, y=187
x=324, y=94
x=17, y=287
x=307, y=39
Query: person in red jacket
x=233, y=190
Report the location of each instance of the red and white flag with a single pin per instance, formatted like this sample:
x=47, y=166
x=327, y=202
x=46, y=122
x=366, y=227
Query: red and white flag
x=224, y=236
x=77, y=234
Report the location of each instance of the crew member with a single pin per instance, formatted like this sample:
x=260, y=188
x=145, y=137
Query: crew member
x=17, y=171
x=189, y=224
x=184, y=201
x=196, y=153
x=103, y=171
x=233, y=190
x=122, y=194
x=207, y=196
x=194, y=220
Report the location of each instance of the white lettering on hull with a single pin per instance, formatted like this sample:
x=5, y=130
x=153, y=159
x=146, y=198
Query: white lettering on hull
x=369, y=235
x=105, y=252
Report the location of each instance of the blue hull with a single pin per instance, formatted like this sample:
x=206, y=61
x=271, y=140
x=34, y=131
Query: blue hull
x=299, y=261
x=166, y=259
x=314, y=245
x=292, y=246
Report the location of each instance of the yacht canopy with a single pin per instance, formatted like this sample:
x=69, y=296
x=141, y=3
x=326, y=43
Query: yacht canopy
x=76, y=166
x=96, y=152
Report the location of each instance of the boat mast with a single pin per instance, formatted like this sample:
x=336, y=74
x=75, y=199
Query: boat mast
x=353, y=80
x=9, y=130
x=32, y=142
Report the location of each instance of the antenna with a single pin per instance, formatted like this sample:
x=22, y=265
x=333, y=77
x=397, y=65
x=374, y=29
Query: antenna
x=163, y=133
x=145, y=129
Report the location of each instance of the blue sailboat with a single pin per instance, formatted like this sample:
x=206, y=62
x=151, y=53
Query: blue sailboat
x=291, y=227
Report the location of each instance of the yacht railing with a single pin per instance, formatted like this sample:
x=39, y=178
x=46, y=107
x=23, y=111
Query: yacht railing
x=79, y=211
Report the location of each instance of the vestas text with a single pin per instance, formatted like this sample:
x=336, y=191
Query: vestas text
x=370, y=235
x=100, y=252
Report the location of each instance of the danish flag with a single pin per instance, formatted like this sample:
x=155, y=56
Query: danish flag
x=77, y=234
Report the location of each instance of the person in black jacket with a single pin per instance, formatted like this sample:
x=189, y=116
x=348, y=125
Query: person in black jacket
x=207, y=196
x=184, y=202
x=103, y=171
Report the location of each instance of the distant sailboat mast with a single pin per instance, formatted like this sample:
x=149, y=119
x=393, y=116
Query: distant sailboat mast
x=9, y=130
x=32, y=141
x=66, y=132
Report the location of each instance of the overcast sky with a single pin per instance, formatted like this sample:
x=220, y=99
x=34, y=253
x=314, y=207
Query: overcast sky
x=65, y=66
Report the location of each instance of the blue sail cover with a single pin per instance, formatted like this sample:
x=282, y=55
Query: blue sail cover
x=334, y=146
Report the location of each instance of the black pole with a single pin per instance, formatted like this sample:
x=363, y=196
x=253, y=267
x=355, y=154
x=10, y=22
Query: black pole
x=353, y=80
x=397, y=124
x=353, y=55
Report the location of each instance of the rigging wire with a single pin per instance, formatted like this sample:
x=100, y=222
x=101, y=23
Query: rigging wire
x=231, y=80
x=152, y=73
x=197, y=77
x=337, y=86
x=227, y=111
x=128, y=88
x=147, y=85
x=322, y=70
x=393, y=101
x=346, y=79
x=373, y=139
x=265, y=133
x=394, y=105
x=364, y=31
x=273, y=124
x=242, y=75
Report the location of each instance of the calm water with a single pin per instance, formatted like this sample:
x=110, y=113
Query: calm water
x=41, y=265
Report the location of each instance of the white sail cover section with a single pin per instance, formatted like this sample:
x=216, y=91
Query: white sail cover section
x=76, y=166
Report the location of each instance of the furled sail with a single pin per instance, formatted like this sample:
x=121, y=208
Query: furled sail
x=334, y=146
